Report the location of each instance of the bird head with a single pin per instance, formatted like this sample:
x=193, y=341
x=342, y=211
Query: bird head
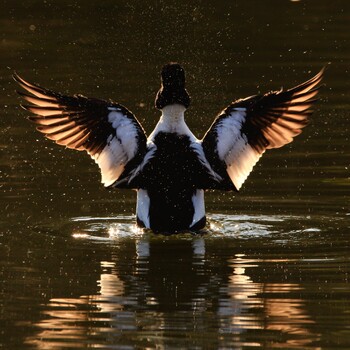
x=172, y=90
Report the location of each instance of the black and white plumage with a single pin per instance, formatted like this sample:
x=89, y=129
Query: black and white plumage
x=171, y=168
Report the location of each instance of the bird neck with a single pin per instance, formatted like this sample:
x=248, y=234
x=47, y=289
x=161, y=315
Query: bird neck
x=173, y=114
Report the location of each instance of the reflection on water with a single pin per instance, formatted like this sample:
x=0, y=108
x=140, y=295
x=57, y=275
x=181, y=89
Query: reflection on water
x=97, y=228
x=219, y=225
x=150, y=290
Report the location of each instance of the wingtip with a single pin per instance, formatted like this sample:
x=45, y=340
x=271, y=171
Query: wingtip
x=322, y=71
x=319, y=76
x=16, y=77
x=23, y=106
x=326, y=66
x=19, y=80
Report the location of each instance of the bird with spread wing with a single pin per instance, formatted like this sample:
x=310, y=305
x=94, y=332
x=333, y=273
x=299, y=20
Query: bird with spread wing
x=171, y=168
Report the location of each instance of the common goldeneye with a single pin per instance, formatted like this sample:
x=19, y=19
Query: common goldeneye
x=171, y=168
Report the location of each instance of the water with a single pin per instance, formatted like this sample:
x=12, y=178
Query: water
x=271, y=270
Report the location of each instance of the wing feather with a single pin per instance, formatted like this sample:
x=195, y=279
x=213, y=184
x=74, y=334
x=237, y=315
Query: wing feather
x=245, y=129
x=107, y=131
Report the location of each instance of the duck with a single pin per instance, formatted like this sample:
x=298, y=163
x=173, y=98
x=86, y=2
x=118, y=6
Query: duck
x=171, y=168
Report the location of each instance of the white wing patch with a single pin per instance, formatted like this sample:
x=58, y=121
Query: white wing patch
x=119, y=149
x=125, y=132
x=198, y=205
x=142, y=207
x=233, y=147
x=111, y=161
x=240, y=162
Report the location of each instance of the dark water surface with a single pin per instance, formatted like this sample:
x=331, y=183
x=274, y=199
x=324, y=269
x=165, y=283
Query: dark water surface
x=272, y=269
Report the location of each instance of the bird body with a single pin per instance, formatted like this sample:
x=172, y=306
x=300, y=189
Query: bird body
x=171, y=168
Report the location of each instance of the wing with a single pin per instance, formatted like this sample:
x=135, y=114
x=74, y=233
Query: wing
x=107, y=131
x=245, y=129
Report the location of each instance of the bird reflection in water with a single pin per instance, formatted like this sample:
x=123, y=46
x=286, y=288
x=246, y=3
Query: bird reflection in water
x=151, y=287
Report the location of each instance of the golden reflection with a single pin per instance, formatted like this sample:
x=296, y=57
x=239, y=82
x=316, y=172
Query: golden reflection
x=278, y=312
x=60, y=325
x=111, y=289
x=118, y=230
x=242, y=295
x=80, y=235
x=113, y=231
x=288, y=315
x=70, y=322
x=243, y=305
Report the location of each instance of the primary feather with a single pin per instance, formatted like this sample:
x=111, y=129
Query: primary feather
x=107, y=131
